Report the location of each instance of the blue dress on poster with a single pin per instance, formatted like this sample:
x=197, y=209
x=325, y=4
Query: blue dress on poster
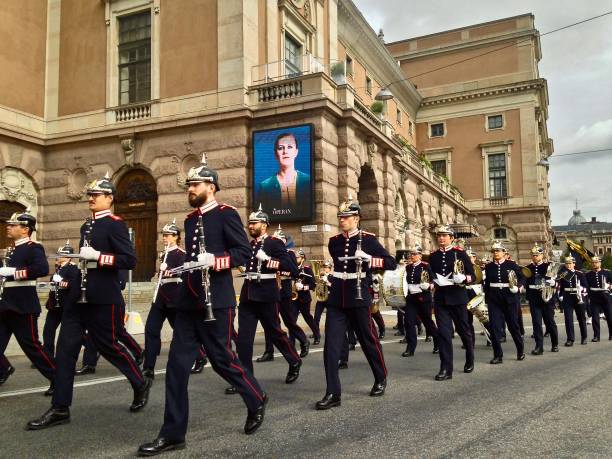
x=282, y=172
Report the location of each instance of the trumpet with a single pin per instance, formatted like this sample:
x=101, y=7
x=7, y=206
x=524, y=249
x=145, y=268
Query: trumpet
x=161, y=274
x=5, y=261
x=83, y=262
x=458, y=267
x=424, y=277
x=321, y=287
x=512, y=279
x=358, y=263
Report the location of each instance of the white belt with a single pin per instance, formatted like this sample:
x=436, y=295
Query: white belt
x=571, y=290
x=28, y=283
x=498, y=285
x=255, y=276
x=345, y=276
x=536, y=287
x=173, y=280
x=285, y=278
x=92, y=265
x=597, y=289
x=414, y=285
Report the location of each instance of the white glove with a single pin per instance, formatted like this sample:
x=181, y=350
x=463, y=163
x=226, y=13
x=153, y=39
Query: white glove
x=514, y=289
x=262, y=256
x=424, y=286
x=550, y=282
x=7, y=272
x=163, y=266
x=89, y=253
x=363, y=255
x=522, y=289
x=57, y=278
x=560, y=299
x=299, y=286
x=206, y=259
x=458, y=278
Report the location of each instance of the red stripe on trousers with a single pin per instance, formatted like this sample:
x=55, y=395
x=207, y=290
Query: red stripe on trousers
x=377, y=344
x=37, y=345
x=129, y=361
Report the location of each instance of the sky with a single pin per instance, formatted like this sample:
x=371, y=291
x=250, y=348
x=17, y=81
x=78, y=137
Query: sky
x=576, y=62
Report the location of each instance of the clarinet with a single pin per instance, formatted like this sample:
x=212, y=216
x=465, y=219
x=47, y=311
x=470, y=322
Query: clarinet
x=161, y=274
x=208, y=312
x=358, y=263
x=5, y=262
x=55, y=287
x=83, y=263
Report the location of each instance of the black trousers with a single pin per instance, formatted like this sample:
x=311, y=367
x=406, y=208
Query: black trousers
x=336, y=324
x=540, y=310
x=304, y=309
x=191, y=331
x=598, y=306
x=4, y=364
x=153, y=326
x=249, y=313
x=414, y=309
x=446, y=316
x=400, y=321
x=319, y=308
x=379, y=321
x=502, y=310
x=52, y=323
x=25, y=329
x=349, y=340
x=103, y=323
x=289, y=314
x=570, y=305
x=91, y=353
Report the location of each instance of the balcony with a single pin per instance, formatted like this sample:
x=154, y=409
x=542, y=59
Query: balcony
x=498, y=202
x=132, y=112
x=284, y=69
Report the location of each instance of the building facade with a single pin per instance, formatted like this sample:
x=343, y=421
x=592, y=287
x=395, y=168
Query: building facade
x=594, y=235
x=482, y=124
x=141, y=88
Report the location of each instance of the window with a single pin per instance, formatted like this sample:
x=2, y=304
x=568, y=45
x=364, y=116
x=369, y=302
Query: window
x=499, y=233
x=410, y=128
x=495, y=122
x=349, y=65
x=439, y=166
x=437, y=130
x=497, y=176
x=399, y=116
x=600, y=251
x=135, y=58
x=293, y=51
x=368, y=85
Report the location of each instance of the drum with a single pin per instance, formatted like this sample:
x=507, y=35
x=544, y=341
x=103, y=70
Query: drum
x=394, y=287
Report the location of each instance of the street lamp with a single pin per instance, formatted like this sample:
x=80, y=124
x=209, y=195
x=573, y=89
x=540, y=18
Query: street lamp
x=543, y=162
x=383, y=94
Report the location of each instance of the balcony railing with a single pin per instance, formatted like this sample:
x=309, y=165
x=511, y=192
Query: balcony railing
x=498, y=202
x=283, y=69
x=133, y=112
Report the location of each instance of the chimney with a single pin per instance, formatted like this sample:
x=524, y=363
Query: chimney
x=593, y=219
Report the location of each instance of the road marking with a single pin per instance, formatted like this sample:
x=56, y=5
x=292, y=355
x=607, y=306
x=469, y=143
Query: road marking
x=97, y=381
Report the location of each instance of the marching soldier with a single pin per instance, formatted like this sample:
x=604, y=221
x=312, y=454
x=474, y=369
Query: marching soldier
x=600, y=283
x=260, y=296
x=572, y=287
x=539, y=308
x=452, y=271
x=304, y=284
x=355, y=254
x=473, y=290
x=502, y=297
x=163, y=306
x=215, y=243
x=418, y=278
x=64, y=292
x=6, y=369
x=105, y=249
x=19, y=304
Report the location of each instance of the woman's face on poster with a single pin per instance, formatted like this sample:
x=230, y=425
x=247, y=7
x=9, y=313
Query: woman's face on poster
x=286, y=151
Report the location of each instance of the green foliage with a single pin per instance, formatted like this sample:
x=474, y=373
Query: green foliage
x=377, y=106
x=606, y=262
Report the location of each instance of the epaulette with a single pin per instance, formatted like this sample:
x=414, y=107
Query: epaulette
x=271, y=236
x=195, y=212
x=306, y=266
x=182, y=250
x=226, y=206
x=458, y=249
x=33, y=242
x=368, y=233
x=116, y=217
x=337, y=235
x=424, y=263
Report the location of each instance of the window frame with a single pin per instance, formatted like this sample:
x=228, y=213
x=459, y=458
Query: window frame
x=134, y=65
x=430, y=129
x=299, y=47
x=348, y=65
x=368, y=84
x=504, y=178
x=492, y=115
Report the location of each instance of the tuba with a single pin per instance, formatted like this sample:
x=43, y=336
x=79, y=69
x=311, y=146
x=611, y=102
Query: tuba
x=321, y=288
x=424, y=277
x=551, y=273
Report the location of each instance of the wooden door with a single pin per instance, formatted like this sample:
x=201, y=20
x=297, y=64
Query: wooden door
x=137, y=204
x=7, y=208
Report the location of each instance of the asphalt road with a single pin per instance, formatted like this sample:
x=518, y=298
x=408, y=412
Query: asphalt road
x=557, y=405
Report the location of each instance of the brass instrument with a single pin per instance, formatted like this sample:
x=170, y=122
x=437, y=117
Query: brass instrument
x=294, y=292
x=477, y=273
x=512, y=279
x=161, y=274
x=458, y=267
x=5, y=261
x=578, y=291
x=424, y=277
x=321, y=287
x=551, y=273
x=208, y=312
x=526, y=272
x=83, y=262
x=376, y=281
